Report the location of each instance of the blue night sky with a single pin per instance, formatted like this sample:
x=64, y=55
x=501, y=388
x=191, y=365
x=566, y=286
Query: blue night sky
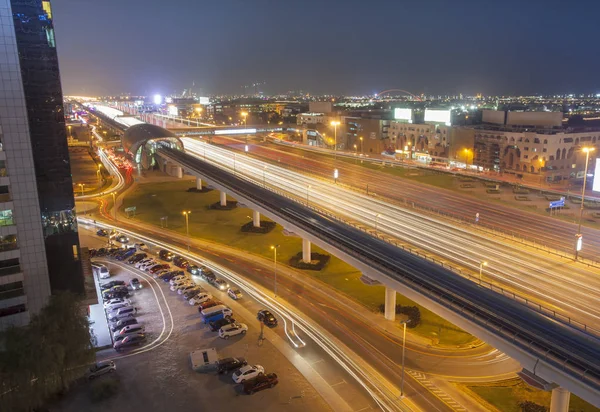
x=328, y=46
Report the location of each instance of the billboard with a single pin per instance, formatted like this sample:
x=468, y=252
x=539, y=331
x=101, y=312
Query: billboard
x=402, y=114
x=437, y=116
x=596, y=187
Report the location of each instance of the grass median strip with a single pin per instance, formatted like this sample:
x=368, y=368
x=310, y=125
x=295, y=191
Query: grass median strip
x=154, y=201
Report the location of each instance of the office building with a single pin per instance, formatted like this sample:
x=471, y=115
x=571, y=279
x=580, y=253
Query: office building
x=39, y=245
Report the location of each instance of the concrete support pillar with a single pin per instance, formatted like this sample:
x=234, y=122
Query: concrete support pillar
x=390, y=304
x=560, y=400
x=223, y=199
x=178, y=172
x=256, y=218
x=306, y=251
x=198, y=183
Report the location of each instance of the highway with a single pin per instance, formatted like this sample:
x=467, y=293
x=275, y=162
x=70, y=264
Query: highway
x=572, y=289
x=546, y=231
x=504, y=317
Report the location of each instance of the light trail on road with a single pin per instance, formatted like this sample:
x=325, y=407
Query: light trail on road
x=570, y=288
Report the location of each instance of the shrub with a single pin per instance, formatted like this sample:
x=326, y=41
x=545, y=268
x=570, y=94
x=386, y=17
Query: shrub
x=103, y=389
x=528, y=406
x=412, y=312
x=322, y=260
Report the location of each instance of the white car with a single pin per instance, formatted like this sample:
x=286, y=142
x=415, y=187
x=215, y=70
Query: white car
x=116, y=306
x=200, y=298
x=182, y=290
x=143, y=262
x=234, y=293
x=114, y=301
x=247, y=372
x=177, y=279
x=128, y=330
x=148, y=265
x=142, y=247
x=233, y=329
x=178, y=284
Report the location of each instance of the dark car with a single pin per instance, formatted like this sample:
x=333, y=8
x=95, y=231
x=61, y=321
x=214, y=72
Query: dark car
x=266, y=317
x=93, y=252
x=122, y=323
x=102, y=232
x=136, y=258
x=229, y=364
x=101, y=252
x=119, y=288
x=180, y=262
x=165, y=255
x=122, y=239
x=206, y=273
x=158, y=267
x=111, y=284
x=192, y=292
x=208, y=304
x=193, y=269
x=260, y=382
x=126, y=254
x=170, y=275
x=209, y=277
x=128, y=341
x=113, y=251
x=216, y=325
x=110, y=294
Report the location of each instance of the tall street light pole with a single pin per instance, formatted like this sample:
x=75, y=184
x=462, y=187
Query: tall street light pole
x=82, y=185
x=335, y=124
x=187, y=213
x=404, y=322
x=274, y=249
x=579, y=240
x=481, y=265
x=361, y=145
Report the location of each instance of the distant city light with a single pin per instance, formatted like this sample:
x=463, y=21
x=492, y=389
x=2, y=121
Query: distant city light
x=157, y=99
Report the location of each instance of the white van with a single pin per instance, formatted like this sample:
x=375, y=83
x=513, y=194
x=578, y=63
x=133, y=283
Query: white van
x=100, y=270
x=217, y=312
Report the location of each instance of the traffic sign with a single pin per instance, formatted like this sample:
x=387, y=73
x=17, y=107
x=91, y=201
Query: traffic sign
x=558, y=203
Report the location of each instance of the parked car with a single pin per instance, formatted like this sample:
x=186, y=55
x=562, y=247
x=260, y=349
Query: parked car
x=192, y=292
x=166, y=255
x=170, y=275
x=156, y=268
x=119, y=288
x=232, y=329
x=234, y=293
x=208, y=276
x=180, y=261
x=135, y=284
x=126, y=254
x=266, y=317
x=100, y=369
x=178, y=286
x=128, y=330
x=208, y=304
x=218, y=324
x=113, y=251
x=101, y=252
x=122, y=323
x=121, y=239
x=177, y=279
x=137, y=258
x=100, y=270
x=160, y=272
x=148, y=265
x=193, y=269
x=109, y=294
x=122, y=313
x=200, y=298
x=187, y=288
x=102, y=232
x=112, y=283
x=116, y=306
x=143, y=262
x=260, y=382
x=221, y=284
x=247, y=372
x=229, y=364
x=131, y=340
x=141, y=246
x=115, y=301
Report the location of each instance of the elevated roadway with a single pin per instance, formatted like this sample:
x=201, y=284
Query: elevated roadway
x=553, y=351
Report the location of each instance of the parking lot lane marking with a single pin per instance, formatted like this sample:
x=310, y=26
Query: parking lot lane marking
x=339, y=383
x=319, y=361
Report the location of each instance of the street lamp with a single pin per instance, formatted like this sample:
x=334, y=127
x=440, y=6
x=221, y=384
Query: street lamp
x=70, y=135
x=466, y=157
x=245, y=116
x=336, y=174
x=81, y=184
x=186, y=213
x=579, y=241
x=335, y=124
x=114, y=206
x=307, y=187
x=404, y=322
x=481, y=265
x=274, y=249
x=361, y=145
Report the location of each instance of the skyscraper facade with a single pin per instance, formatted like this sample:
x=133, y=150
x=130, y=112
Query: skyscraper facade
x=39, y=245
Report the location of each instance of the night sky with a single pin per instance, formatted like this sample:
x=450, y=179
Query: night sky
x=328, y=46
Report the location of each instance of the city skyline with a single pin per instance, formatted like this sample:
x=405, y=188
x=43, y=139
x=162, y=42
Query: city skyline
x=354, y=48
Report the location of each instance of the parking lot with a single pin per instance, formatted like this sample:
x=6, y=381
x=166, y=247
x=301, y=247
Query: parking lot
x=158, y=375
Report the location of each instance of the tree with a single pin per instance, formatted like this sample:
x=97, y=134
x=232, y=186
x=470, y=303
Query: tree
x=45, y=357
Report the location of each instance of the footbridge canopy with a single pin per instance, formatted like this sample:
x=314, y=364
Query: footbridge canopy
x=141, y=141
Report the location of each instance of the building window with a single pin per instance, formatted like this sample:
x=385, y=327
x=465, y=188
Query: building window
x=526, y=156
x=6, y=218
x=12, y=310
x=9, y=267
x=526, y=149
x=11, y=290
x=8, y=242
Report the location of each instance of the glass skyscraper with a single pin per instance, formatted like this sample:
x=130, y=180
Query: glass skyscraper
x=37, y=219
